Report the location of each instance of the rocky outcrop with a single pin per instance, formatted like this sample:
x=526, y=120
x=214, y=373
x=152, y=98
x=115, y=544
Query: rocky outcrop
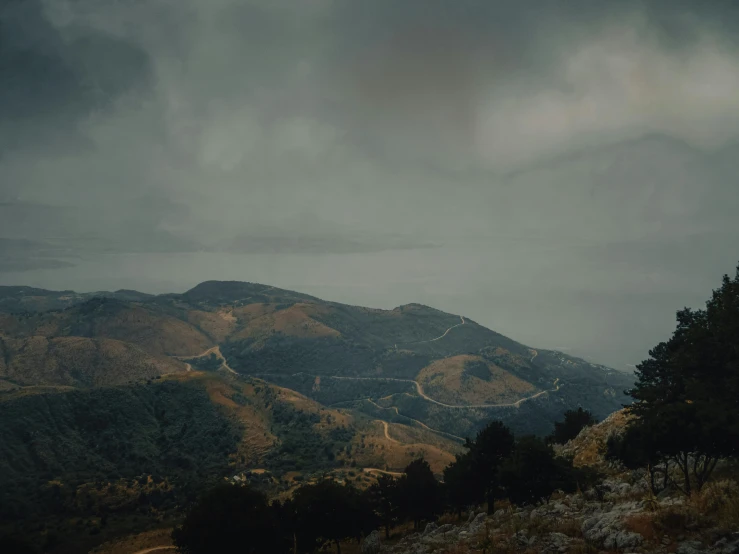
x=572, y=524
x=372, y=544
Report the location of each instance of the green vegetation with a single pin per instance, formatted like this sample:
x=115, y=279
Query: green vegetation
x=205, y=363
x=327, y=513
x=686, y=416
x=226, y=517
x=532, y=472
x=386, y=501
x=574, y=422
x=111, y=452
x=77, y=466
x=301, y=447
x=496, y=465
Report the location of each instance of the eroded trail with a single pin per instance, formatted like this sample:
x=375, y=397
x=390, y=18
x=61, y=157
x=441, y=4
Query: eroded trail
x=437, y=338
x=155, y=549
x=212, y=350
x=422, y=424
x=377, y=470
x=387, y=433
x=419, y=390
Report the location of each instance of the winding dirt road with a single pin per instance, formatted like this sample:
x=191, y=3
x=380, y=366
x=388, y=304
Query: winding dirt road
x=377, y=470
x=155, y=549
x=437, y=338
x=421, y=423
x=387, y=434
x=419, y=390
x=213, y=350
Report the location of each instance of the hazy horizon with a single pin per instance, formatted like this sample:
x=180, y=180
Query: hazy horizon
x=565, y=173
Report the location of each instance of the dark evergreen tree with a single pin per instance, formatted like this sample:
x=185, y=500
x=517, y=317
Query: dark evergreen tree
x=331, y=513
x=531, y=474
x=229, y=518
x=574, y=422
x=638, y=447
x=461, y=486
x=420, y=493
x=491, y=446
x=687, y=392
x=15, y=545
x=385, y=499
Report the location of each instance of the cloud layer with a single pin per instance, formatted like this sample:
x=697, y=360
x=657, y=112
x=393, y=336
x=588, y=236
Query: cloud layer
x=604, y=130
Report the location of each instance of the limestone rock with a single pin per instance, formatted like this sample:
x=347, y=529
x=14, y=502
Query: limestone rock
x=371, y=543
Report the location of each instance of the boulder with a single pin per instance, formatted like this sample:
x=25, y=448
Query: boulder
x=430, y=528
x=371, y=544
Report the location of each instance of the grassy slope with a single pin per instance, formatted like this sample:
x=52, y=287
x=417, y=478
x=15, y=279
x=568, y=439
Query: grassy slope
x=291, y=339
x=78, y=361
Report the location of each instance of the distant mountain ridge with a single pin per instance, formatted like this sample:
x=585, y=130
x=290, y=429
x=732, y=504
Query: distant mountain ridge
x=161, y=396
x=331, y=352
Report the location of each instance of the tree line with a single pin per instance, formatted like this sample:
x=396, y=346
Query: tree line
x=684, y=421
x=495, y=465
x=686, y=410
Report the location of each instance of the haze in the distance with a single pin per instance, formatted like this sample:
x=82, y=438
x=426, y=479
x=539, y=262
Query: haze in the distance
x=562, y=172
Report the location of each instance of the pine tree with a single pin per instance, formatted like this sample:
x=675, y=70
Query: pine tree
x=687, y=392
x=488, y=451
x=420, y=493
x=385, y=499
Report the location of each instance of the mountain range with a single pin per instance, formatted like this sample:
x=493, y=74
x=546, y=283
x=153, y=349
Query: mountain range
x=177, y=390
x=431, y=362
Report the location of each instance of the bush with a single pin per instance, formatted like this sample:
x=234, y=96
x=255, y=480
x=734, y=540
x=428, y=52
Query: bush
x=574, y=422
x=229, y=518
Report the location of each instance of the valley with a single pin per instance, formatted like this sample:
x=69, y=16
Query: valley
x=117, y=407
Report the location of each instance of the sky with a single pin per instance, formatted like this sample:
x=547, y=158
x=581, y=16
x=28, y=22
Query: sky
x=564, y=172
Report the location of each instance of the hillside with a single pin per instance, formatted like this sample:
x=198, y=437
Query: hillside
x=21, y=300
x=78, y=361
x=120, y=406
x=112, y=454
x=443, y=370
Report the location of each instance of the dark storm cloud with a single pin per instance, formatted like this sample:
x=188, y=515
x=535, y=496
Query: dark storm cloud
x=19, y=255
x=576, y=145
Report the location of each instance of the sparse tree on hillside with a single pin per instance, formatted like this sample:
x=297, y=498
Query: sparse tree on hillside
x=461, y=486
x=532, y=473
x=420, y=493
x=574, y=422
x=491, y=446
x=229, y=518
x=638, y=447
x=385, y=499
x=330, y=513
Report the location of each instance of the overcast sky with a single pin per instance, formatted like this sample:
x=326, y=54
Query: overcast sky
x=564, y=172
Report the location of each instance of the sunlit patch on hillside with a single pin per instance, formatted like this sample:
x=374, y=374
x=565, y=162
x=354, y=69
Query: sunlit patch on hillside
x=468, y=379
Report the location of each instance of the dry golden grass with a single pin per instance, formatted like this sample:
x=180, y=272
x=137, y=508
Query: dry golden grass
x=79, y=361
x=644, y=525
x=589, y=447
x=257, y=438
x=155, y=332
x=244, y=314
x=136, y=543
x=217, y=325
x=447, y=381
x=718, y=501
x=411, y=434
x=370, y=448
x=293, y=321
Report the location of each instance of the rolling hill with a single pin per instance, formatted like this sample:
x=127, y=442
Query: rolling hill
x=78, y=362
x=428, y=360
x=116, y=405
